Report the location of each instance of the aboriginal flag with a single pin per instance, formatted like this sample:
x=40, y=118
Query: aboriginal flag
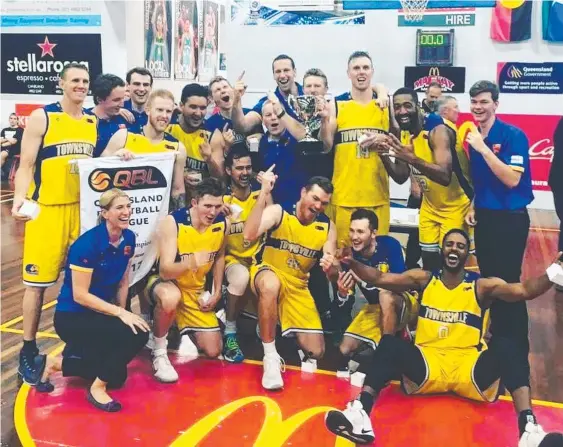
x=552, y=20
x=512, y=21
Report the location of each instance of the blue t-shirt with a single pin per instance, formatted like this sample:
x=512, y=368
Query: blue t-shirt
x=258, y=107
x=292, y=175
x=141, y=118
x=388, y=257
x=511, y=146
x=92, y=252
x=106, y=129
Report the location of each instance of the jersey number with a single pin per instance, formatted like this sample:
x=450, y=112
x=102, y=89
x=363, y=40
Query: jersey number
x=443, y=332
x=362, y=152
x=73, y=168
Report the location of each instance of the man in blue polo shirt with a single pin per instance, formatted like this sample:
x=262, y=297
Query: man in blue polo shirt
x=500, y=169
x=108, y=91
x=283, y=68
x=139, y=80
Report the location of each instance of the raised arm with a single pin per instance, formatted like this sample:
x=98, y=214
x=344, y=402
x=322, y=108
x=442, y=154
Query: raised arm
x=328, y=127
x=294, y=127
x=243, y=123
x=116, y=142
x=31, y=142
x=263, y=216
x=178, y=193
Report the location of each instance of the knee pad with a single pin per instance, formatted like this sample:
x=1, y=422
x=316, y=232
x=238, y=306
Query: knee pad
x=237, y=276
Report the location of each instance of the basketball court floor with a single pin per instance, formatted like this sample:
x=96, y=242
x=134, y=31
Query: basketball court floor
x=220, y=404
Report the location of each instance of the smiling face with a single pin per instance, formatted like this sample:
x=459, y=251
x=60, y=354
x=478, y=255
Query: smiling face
x=284, y=75
x=241, y=172
x=222, y=95
x=208, y=208
x=313, y=202
x=314, y=85
x=140, y=88
x=406, y=111
x=455, y=251
x=114, y=102
x=483, y=107
x=361, y=235
x=271, y=121
x=119, y=213
x=360, y=72
x=194, y=110
x=159, y=112
x=75, y=84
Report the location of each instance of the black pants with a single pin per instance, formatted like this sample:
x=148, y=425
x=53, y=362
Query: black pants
x=318, y=286
x=558, y=199
x=395, y=357
x=500, y=242
x=97, y=345
x=413, y=251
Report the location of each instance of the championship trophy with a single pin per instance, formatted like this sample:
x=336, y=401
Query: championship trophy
x=306, y=109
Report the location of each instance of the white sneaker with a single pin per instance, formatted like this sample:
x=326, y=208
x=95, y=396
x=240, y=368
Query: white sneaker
x=163, y=369
x=532, y=436
x=150, y=342
x=187, y=347
x=273, y=367
x=353, y=423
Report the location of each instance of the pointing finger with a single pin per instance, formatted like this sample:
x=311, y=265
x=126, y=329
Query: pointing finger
x=241, y=75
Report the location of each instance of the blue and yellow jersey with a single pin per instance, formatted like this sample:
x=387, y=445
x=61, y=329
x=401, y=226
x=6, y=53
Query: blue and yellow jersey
x=55, y=180
x=293, y=248
x=359, y=178
x=440, y=199
x=192, y=241
x=191, y=141
x=236, y=246
x=462, y=157
x=140, y=144
x=451, y=318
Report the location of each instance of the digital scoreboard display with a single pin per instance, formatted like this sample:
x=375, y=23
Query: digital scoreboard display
x=434, y=47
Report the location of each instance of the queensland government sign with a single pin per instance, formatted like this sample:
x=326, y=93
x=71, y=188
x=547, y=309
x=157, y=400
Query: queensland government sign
x=524, y=77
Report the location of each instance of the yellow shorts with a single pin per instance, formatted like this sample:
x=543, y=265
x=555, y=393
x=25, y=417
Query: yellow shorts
x=190, y=318
x=341, y=215
x=296, y=307
x=451, y=370
x=366, y=326
x=46, y=243
x=433, y=227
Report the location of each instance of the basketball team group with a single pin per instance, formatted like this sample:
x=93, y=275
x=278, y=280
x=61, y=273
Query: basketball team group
x=260, y=222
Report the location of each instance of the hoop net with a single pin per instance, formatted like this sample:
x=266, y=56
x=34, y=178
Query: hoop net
x=414, y=9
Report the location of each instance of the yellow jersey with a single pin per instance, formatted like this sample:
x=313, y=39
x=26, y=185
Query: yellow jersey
x=451, y=318
x=192, y=241
x=440, y=199
x=191, y=141
x=293, y=248
x=236, y=245
x=55, y=180
x=359, y=178
x=140, y=144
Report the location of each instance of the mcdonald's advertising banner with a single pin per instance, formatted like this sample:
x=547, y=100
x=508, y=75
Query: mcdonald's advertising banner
x=147, y=181
x=539, y=129
x=452, y=79
x=527, y=77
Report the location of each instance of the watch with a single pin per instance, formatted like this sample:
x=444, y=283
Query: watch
x=281, y=114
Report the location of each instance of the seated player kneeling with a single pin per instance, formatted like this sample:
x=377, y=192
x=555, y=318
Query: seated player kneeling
x=386, y=312
x=191, y=243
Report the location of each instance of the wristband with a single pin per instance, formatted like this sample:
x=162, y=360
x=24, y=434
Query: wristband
x=281, y=114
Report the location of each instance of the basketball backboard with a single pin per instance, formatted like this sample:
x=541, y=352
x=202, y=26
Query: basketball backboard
x=432, y=4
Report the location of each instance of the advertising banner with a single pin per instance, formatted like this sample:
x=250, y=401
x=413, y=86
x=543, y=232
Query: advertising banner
x=452, y=79
x=158, y=38
x=527, y=77
x=31, y=63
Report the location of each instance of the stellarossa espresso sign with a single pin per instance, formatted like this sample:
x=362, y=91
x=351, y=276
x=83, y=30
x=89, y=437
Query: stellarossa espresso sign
x=452, y=79
x=31, y=63
x=539, y=129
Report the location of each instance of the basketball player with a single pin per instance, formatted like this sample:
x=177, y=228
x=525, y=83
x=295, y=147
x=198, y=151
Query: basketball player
x=54, y=135
x=191, y=244
x=108, y=92
x=434, y=158
x=386, y=312
x=220, y=124
x=139, y=83
x=188, y=128
x=152, y=138
x=449, y=353
x=239, y=251
x=293, y=244
x=361, y=176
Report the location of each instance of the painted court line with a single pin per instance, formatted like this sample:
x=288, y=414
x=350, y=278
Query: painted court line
x=13, y=321
x=39, y=334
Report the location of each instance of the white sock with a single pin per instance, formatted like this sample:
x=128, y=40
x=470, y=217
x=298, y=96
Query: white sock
x=161, y=343
x=270, y=348
x=230, y=327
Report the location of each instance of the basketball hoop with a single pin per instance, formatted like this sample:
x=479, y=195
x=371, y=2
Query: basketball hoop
x=414, y=9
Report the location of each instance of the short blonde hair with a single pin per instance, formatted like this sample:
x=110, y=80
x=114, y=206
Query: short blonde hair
x=160, y=93
x=107, y=199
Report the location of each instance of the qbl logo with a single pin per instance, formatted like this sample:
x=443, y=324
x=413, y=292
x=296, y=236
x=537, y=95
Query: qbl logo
x=127, y=179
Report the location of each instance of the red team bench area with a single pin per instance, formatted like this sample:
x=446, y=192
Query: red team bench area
x=219, y=404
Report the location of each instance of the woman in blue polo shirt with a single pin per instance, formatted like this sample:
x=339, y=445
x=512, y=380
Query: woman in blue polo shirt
x=101, y=336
